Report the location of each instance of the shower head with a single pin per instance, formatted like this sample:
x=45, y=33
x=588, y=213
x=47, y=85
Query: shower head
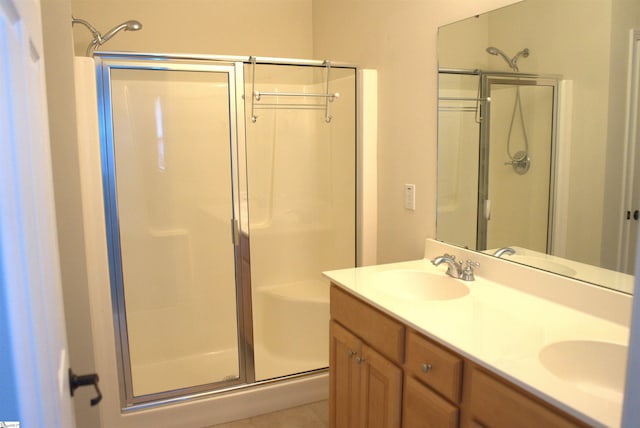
x=126, y=26
x=99, y=39
x=512, y=62
x=492, y=50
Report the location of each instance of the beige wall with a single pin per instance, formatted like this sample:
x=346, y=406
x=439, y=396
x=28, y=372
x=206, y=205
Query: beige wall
x=64, y=153
x=280, y=28
x=398, y=38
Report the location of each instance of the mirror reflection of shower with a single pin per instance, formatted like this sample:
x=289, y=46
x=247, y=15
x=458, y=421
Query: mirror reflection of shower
x=519, y=160
x=100, y=39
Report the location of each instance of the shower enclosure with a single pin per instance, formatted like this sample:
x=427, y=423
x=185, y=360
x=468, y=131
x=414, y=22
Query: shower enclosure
x=496, y=145
x=229, y=186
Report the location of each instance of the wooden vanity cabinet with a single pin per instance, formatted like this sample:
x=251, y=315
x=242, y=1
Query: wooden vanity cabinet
x=365, y=385
x=433, y=385
x=494, y=402
x=383, y=374
x=421, y=407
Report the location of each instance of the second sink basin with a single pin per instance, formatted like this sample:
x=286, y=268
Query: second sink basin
x=594, y=367
x=416, y=284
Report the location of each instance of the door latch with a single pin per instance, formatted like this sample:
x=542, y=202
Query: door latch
x=76, y=381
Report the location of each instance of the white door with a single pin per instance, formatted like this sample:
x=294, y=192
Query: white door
x=34, y=356
x=632, y=196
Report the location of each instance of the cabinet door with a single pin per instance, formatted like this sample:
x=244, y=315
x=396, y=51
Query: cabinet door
x=423, y=408
x=497, y=405
x=380, y=391
x=344, y=378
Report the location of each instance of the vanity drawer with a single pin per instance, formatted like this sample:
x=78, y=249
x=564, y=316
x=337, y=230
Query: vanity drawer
x=434, y=366
x=421, y=407
x=496, y=404
x=378, y=330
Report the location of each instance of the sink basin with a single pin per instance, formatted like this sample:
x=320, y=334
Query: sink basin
x=419, y=285
x=594, y=367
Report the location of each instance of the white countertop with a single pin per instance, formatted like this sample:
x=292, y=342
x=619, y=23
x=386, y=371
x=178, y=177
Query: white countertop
x=502, y=329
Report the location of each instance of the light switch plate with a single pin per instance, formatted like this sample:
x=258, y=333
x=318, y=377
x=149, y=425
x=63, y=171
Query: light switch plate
x=410, y=196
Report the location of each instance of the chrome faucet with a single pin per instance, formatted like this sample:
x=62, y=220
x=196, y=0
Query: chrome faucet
x=454, y=268
x=505, y=250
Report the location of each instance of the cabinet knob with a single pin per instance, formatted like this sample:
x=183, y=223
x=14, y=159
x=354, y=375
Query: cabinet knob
x=425, y=367
x=350, y=353
x=359, y=360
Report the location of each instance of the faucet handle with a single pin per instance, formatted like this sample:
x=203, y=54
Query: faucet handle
x=450, y=256
x=467, y=273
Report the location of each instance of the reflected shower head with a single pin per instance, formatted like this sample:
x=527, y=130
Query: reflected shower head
x=99, y=39
x=492, y=50
x=524, y=53
x=513, y=62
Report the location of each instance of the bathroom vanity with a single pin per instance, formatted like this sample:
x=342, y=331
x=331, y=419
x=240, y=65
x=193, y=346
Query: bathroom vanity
x=413, y=347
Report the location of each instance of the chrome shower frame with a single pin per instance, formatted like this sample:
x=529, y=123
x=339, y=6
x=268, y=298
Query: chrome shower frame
x=485, y=79
x=515, y=79
x=105, y=63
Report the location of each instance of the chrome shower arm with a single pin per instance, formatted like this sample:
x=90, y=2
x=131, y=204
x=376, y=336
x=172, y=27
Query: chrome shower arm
x=99, y=39
x=96, y=34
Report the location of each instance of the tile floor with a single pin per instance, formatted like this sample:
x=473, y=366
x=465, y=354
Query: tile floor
x=314, y=415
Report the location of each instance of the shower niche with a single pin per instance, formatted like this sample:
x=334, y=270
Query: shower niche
x=229, y=186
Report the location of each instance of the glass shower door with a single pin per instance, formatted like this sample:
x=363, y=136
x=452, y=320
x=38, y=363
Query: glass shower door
x=170, y=186
x=301, y=192
x=459, y=114
x=517, y=158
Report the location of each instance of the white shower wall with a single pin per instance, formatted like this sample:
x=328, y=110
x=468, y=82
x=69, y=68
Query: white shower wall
x=301, y=197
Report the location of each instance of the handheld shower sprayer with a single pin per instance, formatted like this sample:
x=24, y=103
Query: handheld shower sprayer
x=100, y=39
x=126, y=26
x=519, y=160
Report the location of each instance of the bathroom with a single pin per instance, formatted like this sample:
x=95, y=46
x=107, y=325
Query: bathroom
x=401, y=47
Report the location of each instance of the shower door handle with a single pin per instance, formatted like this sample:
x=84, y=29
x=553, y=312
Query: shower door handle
x=235, y=232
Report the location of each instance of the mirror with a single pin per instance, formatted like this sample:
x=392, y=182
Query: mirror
x=533, y=120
